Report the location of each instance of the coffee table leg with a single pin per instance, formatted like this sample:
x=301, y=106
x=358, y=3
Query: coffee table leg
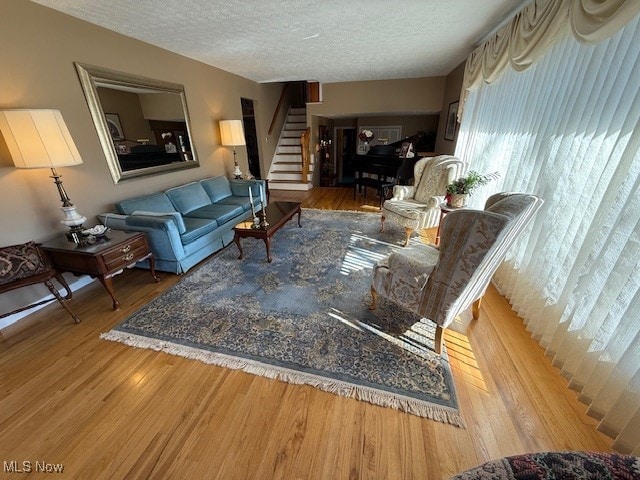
x=299, y=213
x=267, y=242
x=236, y=239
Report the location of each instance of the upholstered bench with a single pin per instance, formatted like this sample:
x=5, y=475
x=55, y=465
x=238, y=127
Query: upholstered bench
x=383, y=187
x=26, y=264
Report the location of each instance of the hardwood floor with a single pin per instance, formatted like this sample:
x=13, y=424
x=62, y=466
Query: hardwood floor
x=105, y=410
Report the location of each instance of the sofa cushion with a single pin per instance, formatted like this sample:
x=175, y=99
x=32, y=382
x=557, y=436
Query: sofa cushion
x=217, y=188
x=196, y=228
x=218, y=212
x=406, y=208
x=156, y=202
x=175, y=216
x=189, y=197
x=237, y=201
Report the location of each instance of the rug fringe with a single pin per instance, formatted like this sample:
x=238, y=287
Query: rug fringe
x=319, y=210
x=343, y=389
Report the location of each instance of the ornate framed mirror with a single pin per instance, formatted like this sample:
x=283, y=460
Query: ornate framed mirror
x=142, y=124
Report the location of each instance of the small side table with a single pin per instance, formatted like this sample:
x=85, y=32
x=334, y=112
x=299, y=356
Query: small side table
x=104, y=259
x=444, y=209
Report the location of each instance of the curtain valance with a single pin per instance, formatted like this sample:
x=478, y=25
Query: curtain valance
x=528, y=35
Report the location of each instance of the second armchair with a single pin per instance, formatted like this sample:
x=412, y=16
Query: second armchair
x=418, y=206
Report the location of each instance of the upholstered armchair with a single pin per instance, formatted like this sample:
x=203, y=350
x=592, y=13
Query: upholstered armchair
x=440, y=282
x=418, y=206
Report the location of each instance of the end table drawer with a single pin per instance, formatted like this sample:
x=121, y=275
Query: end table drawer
x=125, y=254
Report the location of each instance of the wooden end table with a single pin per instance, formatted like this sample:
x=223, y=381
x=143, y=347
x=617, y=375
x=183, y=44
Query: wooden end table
x=102, y=260
x=278, y=213
x=444, y=209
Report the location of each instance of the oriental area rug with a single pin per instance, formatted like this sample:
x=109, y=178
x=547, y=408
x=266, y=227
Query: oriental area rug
x=304, y=318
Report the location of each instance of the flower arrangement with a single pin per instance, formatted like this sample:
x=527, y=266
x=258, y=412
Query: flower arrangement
x=169, y=146
x=366, y=136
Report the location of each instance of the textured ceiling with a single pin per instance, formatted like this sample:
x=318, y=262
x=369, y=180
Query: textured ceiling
x=286, y=40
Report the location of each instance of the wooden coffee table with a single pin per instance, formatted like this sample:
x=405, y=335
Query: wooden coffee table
x=278, y=213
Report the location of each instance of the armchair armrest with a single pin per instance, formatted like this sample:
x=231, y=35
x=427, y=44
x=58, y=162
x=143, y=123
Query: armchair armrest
x=402, y=192
x=435, y=201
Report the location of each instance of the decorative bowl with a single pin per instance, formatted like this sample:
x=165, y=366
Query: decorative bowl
x=98, y=230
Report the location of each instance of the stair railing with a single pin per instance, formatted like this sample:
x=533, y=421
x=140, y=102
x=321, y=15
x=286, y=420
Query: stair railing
x=304, y=143
x=283, y=96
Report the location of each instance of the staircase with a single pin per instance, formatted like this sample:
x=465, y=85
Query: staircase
x=286, y=168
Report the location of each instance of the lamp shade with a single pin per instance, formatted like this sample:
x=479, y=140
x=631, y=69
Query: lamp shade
x=231, y=133
x=38, y=139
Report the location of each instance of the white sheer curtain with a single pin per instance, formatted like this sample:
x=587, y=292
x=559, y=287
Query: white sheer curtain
x=567, y=130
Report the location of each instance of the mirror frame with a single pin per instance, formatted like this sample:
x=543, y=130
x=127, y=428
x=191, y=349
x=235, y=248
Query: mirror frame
x=90, y=76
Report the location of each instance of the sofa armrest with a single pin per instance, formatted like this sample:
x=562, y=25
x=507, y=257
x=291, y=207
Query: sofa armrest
x=143, y=221
x=402, y=192
x=164, y=237
x=113, y=220
x=240, y=188
x=175, y=216
x=162, y=233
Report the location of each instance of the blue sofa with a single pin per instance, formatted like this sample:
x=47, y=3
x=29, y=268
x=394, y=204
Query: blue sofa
x=186, y=224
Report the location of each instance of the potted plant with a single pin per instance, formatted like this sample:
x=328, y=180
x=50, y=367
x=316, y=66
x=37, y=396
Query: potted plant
x=459, y=190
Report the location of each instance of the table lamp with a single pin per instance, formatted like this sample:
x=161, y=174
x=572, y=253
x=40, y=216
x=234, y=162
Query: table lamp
x=41, y=139
x=232, y=135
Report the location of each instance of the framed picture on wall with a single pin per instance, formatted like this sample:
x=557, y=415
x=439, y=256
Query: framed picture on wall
x=115, y=128
x=452, y=121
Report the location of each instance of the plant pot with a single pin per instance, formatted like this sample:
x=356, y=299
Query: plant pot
x=458, y=200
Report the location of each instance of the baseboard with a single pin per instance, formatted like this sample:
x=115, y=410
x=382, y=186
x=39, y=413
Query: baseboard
x=75, y=283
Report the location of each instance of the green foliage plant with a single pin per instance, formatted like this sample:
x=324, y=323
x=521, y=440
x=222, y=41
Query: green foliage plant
x=466, y=185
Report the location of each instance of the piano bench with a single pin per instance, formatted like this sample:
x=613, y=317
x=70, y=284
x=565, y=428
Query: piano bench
x=383, y=187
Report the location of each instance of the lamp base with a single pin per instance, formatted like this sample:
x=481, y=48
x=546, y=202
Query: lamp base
x=74, y=221
x=237, y=173
x=71, y=217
